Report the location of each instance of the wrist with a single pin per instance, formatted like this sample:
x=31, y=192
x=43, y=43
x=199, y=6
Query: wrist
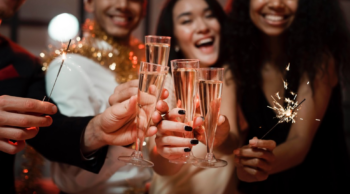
x=92, y=139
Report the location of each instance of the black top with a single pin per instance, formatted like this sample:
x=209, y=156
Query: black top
x=326, y=166
x=21, y=75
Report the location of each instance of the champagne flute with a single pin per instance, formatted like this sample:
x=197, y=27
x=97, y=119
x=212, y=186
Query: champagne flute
x=151, y=81
x=185, y=75
x=210, y=85
x=157, y=49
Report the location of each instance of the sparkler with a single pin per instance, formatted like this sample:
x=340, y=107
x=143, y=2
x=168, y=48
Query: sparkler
x=59, y=71
x=285, y=114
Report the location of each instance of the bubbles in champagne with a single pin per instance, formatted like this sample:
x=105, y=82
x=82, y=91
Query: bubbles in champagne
x=185, y=90
x=157, y=53
x=210, y=102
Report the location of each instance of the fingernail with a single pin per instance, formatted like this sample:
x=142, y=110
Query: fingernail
x=236, y=151
x=194, y=141
x=182, y=112
x=253, y=141
x=203, y=118
x=187, y=149
x=188, y=128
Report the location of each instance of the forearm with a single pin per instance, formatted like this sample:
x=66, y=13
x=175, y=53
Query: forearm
x=231, y=143
x=289, y=154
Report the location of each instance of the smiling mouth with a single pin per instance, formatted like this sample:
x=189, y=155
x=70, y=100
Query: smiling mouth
x=121, y=20
x=205, y=43
x=275, y=18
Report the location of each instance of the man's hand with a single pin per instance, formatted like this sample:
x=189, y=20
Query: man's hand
x=20, y=119
x=116, y=125
x=254, y=161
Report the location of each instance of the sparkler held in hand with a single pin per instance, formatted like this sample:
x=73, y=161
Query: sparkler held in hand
x=59, y=71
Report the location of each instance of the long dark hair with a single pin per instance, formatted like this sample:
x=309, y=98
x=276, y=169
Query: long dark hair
x=165, y=27
x=318, y=33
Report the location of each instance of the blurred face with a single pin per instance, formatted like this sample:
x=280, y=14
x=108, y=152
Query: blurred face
x=197, y=31
x=117, y=17
x=273, y=17
x=9, y=7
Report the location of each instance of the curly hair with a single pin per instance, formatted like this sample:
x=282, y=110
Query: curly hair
x=165, y=27
x=318, y=33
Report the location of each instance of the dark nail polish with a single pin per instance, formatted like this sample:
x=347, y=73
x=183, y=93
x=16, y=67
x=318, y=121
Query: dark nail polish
x=187, y=149
x=203, y=118
x=182, y=112
x=194, y=141
x=188, y=128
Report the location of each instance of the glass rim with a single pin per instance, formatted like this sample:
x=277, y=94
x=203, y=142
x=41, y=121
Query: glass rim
x=211, y=68
x=184, y=60
x=159, y=37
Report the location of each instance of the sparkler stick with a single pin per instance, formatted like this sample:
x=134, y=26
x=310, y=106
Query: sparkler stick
x=288, y=115
x=59, y=71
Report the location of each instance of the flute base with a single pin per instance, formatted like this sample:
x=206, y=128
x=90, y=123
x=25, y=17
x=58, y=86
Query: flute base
x=186, y=158
x=210, y=162
x=136, y=159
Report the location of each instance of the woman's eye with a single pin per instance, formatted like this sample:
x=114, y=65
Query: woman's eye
x=186, y=22
x=209, y=16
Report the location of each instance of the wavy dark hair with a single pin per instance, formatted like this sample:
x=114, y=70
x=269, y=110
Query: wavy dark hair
x=318, y=33
x=165, y=27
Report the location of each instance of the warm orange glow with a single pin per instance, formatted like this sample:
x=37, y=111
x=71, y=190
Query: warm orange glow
x=141, y=46
x=25, y=170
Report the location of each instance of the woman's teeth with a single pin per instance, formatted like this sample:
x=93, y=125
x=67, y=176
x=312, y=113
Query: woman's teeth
x=120, y=19
x=274, y=18
x=207, y=41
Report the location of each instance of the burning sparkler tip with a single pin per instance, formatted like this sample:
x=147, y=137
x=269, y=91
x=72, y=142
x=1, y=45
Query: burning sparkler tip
x=288, y=67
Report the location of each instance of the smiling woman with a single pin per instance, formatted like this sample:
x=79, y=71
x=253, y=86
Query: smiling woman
x=197, y=29
x=311, y=36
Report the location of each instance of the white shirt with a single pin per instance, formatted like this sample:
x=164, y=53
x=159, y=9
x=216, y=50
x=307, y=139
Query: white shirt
x=83, y=89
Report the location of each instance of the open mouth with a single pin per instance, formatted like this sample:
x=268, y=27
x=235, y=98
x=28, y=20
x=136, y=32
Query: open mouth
x=203, y=43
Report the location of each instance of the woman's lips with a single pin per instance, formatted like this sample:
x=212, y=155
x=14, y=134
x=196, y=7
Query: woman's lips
x=207, y=49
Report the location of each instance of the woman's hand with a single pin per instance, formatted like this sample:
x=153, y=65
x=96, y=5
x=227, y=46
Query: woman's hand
x=170, y=141
x=254, y=161
x=222, y=132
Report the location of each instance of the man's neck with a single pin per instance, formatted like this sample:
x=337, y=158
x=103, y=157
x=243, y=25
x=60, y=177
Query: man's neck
x=123, y=40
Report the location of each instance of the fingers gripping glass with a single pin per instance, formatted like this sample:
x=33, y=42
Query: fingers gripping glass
x=210, y=85
x=151, y=80
x=184, y=73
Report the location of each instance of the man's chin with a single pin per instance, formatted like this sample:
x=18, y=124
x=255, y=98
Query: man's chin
x=118, y=33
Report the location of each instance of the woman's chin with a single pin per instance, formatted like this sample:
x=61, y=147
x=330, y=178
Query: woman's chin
x=207, y=62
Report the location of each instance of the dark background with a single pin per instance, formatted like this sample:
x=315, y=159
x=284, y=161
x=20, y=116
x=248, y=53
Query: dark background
x=29, y=28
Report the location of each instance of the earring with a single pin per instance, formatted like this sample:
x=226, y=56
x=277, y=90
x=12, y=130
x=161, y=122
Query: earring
x=177, y=49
